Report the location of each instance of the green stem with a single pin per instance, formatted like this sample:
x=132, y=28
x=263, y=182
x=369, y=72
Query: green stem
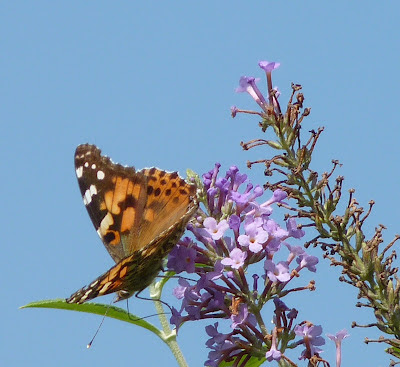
x=168, y=335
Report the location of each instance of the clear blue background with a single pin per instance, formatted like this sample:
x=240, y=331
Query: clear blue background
x=151, y=83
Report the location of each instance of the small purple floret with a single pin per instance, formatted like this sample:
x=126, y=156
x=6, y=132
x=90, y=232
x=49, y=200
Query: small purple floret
x=268, y=66
x=236, y=258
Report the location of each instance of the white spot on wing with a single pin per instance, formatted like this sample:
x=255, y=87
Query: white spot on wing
x=100, y=175
x=86, y=164
x=93, y=166
x=89, y=193
x=86, y=295
x=93, y=190
x=87, y=198
x=79, y=172
x=106, y=223
x=104, y=288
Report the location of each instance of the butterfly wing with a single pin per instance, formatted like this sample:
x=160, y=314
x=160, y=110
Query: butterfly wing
x=138, y=215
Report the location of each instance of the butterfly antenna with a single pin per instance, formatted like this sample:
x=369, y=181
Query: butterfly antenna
x=98, y=329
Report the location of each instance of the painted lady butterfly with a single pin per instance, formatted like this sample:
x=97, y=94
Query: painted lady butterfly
x=139, y=216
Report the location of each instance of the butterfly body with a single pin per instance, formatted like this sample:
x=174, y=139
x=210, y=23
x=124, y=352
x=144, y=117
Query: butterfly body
x=139, y=215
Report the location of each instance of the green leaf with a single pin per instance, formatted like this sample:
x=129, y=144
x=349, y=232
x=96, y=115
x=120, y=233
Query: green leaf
x=97, y=309
x=252, y=362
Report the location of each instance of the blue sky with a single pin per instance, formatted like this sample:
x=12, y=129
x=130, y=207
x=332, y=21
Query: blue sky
x=151, y=84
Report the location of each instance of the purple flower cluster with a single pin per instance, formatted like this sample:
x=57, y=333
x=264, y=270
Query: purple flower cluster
x=232, y=232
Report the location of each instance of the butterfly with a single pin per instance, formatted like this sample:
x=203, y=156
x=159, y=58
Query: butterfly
x=139, y=216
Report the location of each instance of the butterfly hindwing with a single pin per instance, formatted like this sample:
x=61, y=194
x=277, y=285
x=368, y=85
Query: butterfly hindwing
x=139, y=215
x=168, y=200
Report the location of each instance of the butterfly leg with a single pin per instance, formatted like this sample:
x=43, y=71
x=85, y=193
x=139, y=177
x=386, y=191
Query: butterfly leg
x=151, y=299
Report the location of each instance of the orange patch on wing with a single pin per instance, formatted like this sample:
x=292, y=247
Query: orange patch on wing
x=129, y=189
x=114, y=272
x=128, y=219
x=108, y=199
x=136, y=191
x=116, y=283
x=149, y=215
x=123, y=272
x=120, y=191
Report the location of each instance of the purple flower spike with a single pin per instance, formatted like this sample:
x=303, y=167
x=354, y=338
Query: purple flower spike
x=268, y=66
x=236, y=258
x=227, y=285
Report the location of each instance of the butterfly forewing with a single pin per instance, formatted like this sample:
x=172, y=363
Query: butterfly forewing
x=104, y=186
x=139, y=215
